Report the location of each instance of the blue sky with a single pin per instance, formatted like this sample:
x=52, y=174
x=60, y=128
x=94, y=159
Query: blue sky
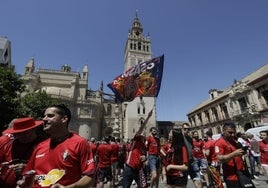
x=207, y=43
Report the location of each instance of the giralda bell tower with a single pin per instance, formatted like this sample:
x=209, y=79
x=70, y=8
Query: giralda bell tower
x=137, y=50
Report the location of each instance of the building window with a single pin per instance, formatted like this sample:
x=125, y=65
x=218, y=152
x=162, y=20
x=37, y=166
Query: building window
x=109, y=109
x=224, y=111
x=200, y=119
x=265, y=95
x=215, y=113
x=207, y=116
x=242, y=103
x=139, y=45
x=131, y=46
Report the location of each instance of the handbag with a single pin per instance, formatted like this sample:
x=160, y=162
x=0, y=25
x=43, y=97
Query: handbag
x=244, y=177
x=244, y=180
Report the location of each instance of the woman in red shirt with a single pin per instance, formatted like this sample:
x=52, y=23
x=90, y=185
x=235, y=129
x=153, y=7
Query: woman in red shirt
x=176, y=162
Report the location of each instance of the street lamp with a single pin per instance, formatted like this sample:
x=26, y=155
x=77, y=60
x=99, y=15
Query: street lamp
x=124, y=119
x=116, y=127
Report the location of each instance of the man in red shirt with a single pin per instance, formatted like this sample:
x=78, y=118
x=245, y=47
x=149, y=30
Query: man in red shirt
x=64, y=159
x=122, y=154
x=213, y=165
x=104, y=167
x=199, y=161
x=17, y=150
x=153, y=146
x=228, y=153
x=264, y=150
x=114, y=159
x=136, y=157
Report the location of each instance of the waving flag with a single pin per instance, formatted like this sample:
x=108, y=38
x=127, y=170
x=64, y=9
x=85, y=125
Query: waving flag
x=143, y=79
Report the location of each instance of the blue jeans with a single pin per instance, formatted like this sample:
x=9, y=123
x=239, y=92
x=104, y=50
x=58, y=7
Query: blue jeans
x=129, y=175
x=252, y=160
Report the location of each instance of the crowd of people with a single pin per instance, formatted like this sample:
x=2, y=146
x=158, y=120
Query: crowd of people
x=46, y=154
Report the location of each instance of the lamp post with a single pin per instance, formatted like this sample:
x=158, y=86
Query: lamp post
x=116, y=128
x=124, y=109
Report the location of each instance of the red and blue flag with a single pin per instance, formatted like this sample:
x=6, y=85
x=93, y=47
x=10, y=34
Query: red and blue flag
x=142, y=80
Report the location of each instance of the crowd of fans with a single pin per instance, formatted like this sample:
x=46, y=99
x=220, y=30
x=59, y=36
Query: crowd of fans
x=59, y=158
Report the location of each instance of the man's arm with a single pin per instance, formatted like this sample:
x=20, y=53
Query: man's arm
x=142, y=127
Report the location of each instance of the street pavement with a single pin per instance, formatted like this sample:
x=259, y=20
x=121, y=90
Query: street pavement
x=261, y=182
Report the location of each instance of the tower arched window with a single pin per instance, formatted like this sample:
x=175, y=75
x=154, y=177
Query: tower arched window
x=139, y=45
x=134, y=46
x=147, y=48
x=131, y=46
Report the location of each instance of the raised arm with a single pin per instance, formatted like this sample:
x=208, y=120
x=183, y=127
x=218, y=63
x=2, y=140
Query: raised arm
x=142, y=127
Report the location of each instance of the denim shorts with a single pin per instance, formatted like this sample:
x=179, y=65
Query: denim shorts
x=195, y=168
x=154, y=162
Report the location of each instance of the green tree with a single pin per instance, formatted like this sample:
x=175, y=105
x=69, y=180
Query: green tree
x=11, y=86
x=34, y=104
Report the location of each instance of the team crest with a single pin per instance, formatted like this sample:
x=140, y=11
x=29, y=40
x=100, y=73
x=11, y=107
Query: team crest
x=65, y=155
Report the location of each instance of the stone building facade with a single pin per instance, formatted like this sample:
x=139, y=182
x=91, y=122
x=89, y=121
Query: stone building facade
x=5, y=52
x=245, y=102
x=92, y=111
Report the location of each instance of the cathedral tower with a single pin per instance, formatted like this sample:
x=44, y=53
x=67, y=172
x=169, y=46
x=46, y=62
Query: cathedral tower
x=137, y=50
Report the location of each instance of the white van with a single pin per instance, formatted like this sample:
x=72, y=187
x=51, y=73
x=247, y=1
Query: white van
x=256, y=131
x=216, y=136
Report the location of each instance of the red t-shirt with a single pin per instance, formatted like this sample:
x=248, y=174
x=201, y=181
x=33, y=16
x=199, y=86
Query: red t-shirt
x=198, y=149
x=115, y=150
x=63, y=163
x=93, y=148
x=264, y=152
x=137, y=149
x=224, y=148
x=153, y=145
x=210, y=145
x=104, y=154
x=173, y=160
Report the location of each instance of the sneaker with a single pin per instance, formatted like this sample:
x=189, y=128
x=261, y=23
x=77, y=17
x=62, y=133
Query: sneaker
x=256, y=177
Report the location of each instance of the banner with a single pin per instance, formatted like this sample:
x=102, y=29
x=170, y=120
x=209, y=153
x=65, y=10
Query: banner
x=143, y=80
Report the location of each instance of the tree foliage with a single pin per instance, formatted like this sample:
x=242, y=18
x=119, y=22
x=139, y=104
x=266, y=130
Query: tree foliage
x=34, y=104
x=11, y=86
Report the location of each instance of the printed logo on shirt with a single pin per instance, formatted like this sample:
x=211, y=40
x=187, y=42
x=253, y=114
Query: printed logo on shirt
x=90, y=161
x=51, y=177
x=217, y=150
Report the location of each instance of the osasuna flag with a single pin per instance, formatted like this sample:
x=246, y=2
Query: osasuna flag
x=143, y=79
